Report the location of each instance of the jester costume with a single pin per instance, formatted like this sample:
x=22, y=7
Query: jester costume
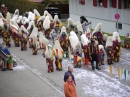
x=116, y=46
x=34, y=49
x=99, y=37
x=1, y=31
x=94, y=54
x=110, y=55
x=50, y=64
x=47, y=33
x=16, y=39
x=77, y=58
x=101, y=57
x=40, y=26
x=86, y=50
x=6, y=38
x=64, y=42
x=58, y=63
x=23, y=43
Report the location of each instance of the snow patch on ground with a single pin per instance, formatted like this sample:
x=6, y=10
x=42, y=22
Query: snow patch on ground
x=97, y=86
x=19, y=67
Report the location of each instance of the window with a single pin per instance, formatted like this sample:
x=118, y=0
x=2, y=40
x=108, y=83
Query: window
x=101, y=3
x=82, y=2
x=119, y=26
x=127, y=4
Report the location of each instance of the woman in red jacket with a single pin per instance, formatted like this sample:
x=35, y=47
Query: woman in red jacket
x=69, y=87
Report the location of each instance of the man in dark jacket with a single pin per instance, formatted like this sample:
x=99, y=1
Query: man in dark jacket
x=69, y=72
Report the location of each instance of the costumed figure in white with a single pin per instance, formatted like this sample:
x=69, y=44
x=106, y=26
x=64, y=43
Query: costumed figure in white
x=40, y=23
x=76, y=49
x=49, y=53
x=14, y=28
x=117, y=46
x=71, y=25
x=64, y=41
x=58, y=55
x=23, y=38
x=43, y=41
x=109, y=50
x=46, y=26
x=86, y=48
x=33, y=41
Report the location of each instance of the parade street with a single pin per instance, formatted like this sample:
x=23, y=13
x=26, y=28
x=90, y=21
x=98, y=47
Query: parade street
x=31, y=79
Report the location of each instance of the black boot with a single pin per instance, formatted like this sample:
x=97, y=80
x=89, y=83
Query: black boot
x=92, y=66
x=97, y=66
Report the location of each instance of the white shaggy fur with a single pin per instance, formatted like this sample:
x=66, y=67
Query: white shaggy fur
x=16, y=13
x=36, y=12
x=74, y=41
x=19, y=19
x=116, y=34
x=34, y=33
x=109, y=41
x=105, y=36
x=31, y=24
x=43, y=39
x=1, y=20
x=84, y=39
x=101, y=47
x=71, y=22
x=24, y=29
x=79, y=27
x=26, y=21
x=31, y=16
x=97, y=28
x=14, y=24
x=49, y=51
x=56, y=19
x=63, y=29
x=41, y=18
x=8, y=17
x=60, y=50
x=46, y=23
x=48, y=14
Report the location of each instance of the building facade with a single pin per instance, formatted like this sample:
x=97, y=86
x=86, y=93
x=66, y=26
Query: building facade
x=102, y=11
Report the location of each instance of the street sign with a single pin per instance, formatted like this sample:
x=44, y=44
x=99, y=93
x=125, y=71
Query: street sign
x=117, y=16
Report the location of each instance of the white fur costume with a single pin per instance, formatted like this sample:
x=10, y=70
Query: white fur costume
x=74, y=41
x=109, y=41
x=116, y=34
x=57, y=46
x=97, y=28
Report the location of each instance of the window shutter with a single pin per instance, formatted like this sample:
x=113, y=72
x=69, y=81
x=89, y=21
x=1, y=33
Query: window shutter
x=83, y=2
x=105, y=3
x=114, y=3
x=119, y=4
x=95, y=3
